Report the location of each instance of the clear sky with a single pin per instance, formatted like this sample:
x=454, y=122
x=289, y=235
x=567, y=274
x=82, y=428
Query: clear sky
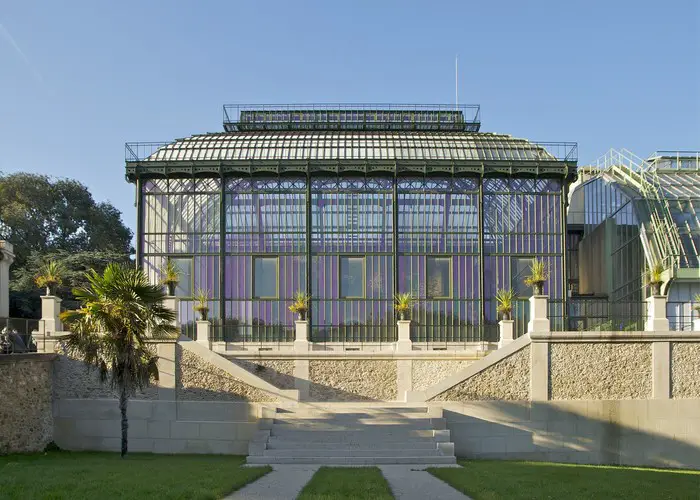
x=78, y=79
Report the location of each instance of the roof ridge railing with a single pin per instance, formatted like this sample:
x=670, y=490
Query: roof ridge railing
x=358, y=116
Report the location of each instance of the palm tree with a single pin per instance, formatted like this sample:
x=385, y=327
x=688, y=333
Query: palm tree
x=119, y=310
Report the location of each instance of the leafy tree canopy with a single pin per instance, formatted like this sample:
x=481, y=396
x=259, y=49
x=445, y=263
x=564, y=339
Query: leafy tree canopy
x=40, y=214
x=57, y=219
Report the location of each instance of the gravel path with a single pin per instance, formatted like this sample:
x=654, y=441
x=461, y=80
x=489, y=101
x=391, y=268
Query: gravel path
x=410, y=483
x=283, y=483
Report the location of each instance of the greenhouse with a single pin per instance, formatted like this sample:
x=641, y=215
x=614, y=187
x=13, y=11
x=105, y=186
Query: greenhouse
x=627, y=215
x=353, y=204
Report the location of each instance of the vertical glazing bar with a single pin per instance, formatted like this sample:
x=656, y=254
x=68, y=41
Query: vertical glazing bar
x=222, y=255
x=564, y=263
x=309, y=316
x=139, y=223
x=482, y=298
x=395, y=244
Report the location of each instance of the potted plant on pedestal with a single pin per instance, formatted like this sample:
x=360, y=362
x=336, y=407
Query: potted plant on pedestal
x=300, y=304
x=402, y=304
x=539, y=273
x=170, y=276
x=505, y=300
x=655, y=278
x=50, y=277
x=201, y=303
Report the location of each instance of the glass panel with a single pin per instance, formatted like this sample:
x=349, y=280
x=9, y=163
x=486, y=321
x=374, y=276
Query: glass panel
x=184, y=287
x=438, y=270
x=352, y=277
x=265, y=273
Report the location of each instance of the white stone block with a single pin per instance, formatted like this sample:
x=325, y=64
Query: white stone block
x=404, y=344
x=50, y=310
x=203, y=328
x=539, y=319
x=656, y=314
x=507, y=332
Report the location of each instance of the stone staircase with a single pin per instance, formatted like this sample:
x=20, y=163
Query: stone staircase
x=352, y=434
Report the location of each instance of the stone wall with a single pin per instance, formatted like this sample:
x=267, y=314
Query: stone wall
x=26, y=421
x=685, y=370
x=278, y=372
x=352, y=380
x=600, y=371
x=199, y=380
x=656, y=433
x=73, y=379
x=429, y=372
x=509, y=379
x=156, y=426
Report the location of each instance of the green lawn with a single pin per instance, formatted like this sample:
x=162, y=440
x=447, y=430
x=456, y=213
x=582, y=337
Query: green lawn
x=66, y=475
x=491, y=480
x=338, y=483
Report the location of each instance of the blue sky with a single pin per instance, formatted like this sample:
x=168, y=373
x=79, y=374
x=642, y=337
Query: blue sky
x=78, y=79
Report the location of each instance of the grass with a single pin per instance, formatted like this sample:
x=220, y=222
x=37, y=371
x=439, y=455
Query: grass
x=73, y=475
x=490, y=480
x=339, y=483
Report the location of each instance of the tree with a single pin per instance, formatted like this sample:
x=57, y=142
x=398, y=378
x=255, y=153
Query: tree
x=25, y=299
x=41, y=217
x=119, y=310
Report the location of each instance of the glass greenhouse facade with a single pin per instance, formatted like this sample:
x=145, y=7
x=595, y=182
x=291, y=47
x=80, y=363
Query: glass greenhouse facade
x=353, y=205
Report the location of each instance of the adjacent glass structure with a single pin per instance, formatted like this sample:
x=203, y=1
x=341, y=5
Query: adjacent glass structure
x=353, y=205
x=633, y=213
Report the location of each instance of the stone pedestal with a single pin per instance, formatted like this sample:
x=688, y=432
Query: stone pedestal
x=173, y=303
x=656, y=314
x=404, y=344
x=203, y=328
x=50, y=321
x=539, y=318
x=507, y=331
x=301, y=340
x=7, y=257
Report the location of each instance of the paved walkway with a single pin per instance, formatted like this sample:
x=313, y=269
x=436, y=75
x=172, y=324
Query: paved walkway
x=407, y=482
x=283, y=483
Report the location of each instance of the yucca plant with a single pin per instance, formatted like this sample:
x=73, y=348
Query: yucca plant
x=50, y=277
x=505, y=299
x=120, y=311
x=403, y=302
x=539, y=274
x=170, y=276
x=696, y=300
x=300, y=304
x=655, y=278
x=201, y=303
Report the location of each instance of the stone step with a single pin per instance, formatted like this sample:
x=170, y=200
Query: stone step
x=358, y=424
x=320, y=412
x=357, y=436
x=275, y=443
x=345, y=451
x=420, y=460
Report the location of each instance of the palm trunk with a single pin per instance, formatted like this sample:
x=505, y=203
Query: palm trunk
x=123, y=400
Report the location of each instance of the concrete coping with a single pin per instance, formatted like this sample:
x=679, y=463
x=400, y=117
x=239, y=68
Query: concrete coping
x=27, y=357
x=593, y=337
x=340, y=355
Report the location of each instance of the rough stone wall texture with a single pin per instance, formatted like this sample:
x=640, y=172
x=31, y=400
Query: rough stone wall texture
x=600, y=371
x=428, y=373
x=73, y=379
x=26, y=418
x=198, y=380
x=507, y=380
x=685, y=370
x=279, y=372
x=352, y=380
